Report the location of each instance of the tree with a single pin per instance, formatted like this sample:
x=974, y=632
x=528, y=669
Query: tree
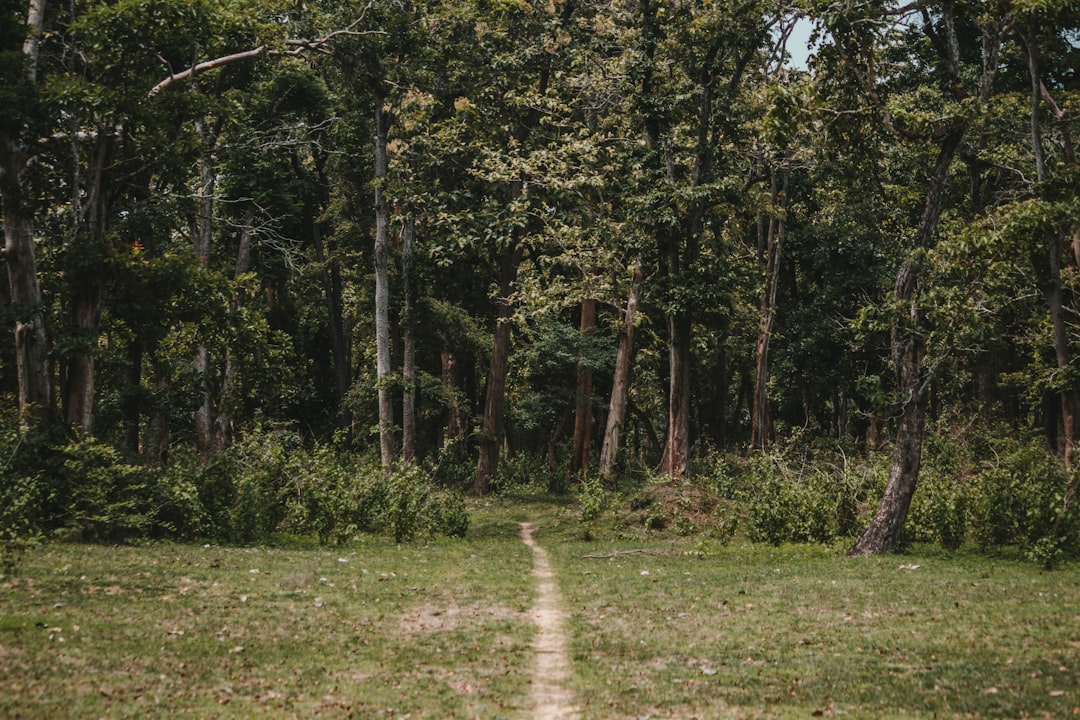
x=18, y=146
x=699, y=55
x=857, y=39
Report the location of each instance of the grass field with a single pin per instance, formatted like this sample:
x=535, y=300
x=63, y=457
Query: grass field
x=441, y=629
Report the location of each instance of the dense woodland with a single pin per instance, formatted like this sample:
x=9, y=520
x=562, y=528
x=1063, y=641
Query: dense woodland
x=258, y=250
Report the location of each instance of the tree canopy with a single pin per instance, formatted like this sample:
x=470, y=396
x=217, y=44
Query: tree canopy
x=609, y=235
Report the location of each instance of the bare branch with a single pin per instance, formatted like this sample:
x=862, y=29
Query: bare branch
x=202, y=67
x=299, y=46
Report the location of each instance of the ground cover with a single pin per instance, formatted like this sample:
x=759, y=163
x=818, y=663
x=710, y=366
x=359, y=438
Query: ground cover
x=674, y=628
x=372, y=629
x=661, y=626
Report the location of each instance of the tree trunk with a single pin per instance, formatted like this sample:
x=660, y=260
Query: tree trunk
x=455, y=425
x=86, y=277
x=676, y=459
x=408, y=360
x=223, y=421
x=330, y=273
x=31, y=358
x=205, y=435
x=908, y=346
x=383, y=368
x=158, y=428
x=132, y=397
x=85, y=313
x=491, y=427
x=583, y=416
x=620, y=384
x=770, y=245
x=9, y=381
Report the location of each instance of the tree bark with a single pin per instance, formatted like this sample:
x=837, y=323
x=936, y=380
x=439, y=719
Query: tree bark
x=158, y=429
x=455, y=425
x=620, y=384
x=1054, y=290
x=491, y=427
x=205, y=436
x=383, y=367
x=770, y=242
x=31, y=359
x=408, y=360
x=86, y=275
x=583, y=416
x=330, y=274
x=676, y=459
x=227, y=405
x=132, y=404
x=908, y=347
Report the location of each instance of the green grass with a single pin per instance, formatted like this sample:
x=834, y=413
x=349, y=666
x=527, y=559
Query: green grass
x=797, y=632
x=366, y=630
x=440, y=629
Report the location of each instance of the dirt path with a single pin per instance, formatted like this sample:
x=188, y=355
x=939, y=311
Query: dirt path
x=551, y=699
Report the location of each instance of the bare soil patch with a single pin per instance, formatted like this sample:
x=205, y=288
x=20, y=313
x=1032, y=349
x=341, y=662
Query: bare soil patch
x=551, y=697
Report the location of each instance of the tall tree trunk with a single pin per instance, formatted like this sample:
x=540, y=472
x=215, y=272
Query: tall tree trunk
x=620, y=384
x=86, y=275
x=491, y=427
x=85, y=314
x=383, y=368
x=9, y=379
x=205, y=435
x=908, y=347
x=31, y=359
x=676, y=459
x=408, y=359
x=455, y=423
x=583, y=416
x=227, y=405
x=158, y=431
x=132, y=396
x=770, y=245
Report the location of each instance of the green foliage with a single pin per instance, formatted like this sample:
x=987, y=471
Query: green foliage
x=787, y=506
x=794, y=497
x=22, y=497
x=108, y=498
x=1022, y=499
x=999, y=490
x=592, y=498
x=528, y=473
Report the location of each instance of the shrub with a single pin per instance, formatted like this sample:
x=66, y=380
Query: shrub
x=1022, y=497
x=788, y=506
x=811, y=498
x=108, y=498
x=592, y=498
x=449, y=514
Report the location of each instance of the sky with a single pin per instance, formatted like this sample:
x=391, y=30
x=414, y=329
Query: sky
x=798, y=43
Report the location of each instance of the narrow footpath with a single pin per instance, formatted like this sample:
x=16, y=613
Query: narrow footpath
x=551, y=697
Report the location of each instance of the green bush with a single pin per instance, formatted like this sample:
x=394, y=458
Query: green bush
x=788, y=506
x=449, y=515
x=795, y=497
x=108, y=498
x=1022, y=498
x=528, y=473
x=592, y=498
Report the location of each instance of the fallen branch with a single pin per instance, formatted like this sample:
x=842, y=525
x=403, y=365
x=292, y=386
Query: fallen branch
x=624, y=553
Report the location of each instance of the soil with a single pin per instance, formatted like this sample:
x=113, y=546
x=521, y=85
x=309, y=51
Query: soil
x=551, y=697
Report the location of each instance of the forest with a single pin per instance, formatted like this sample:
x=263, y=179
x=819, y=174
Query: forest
x=330, y=267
